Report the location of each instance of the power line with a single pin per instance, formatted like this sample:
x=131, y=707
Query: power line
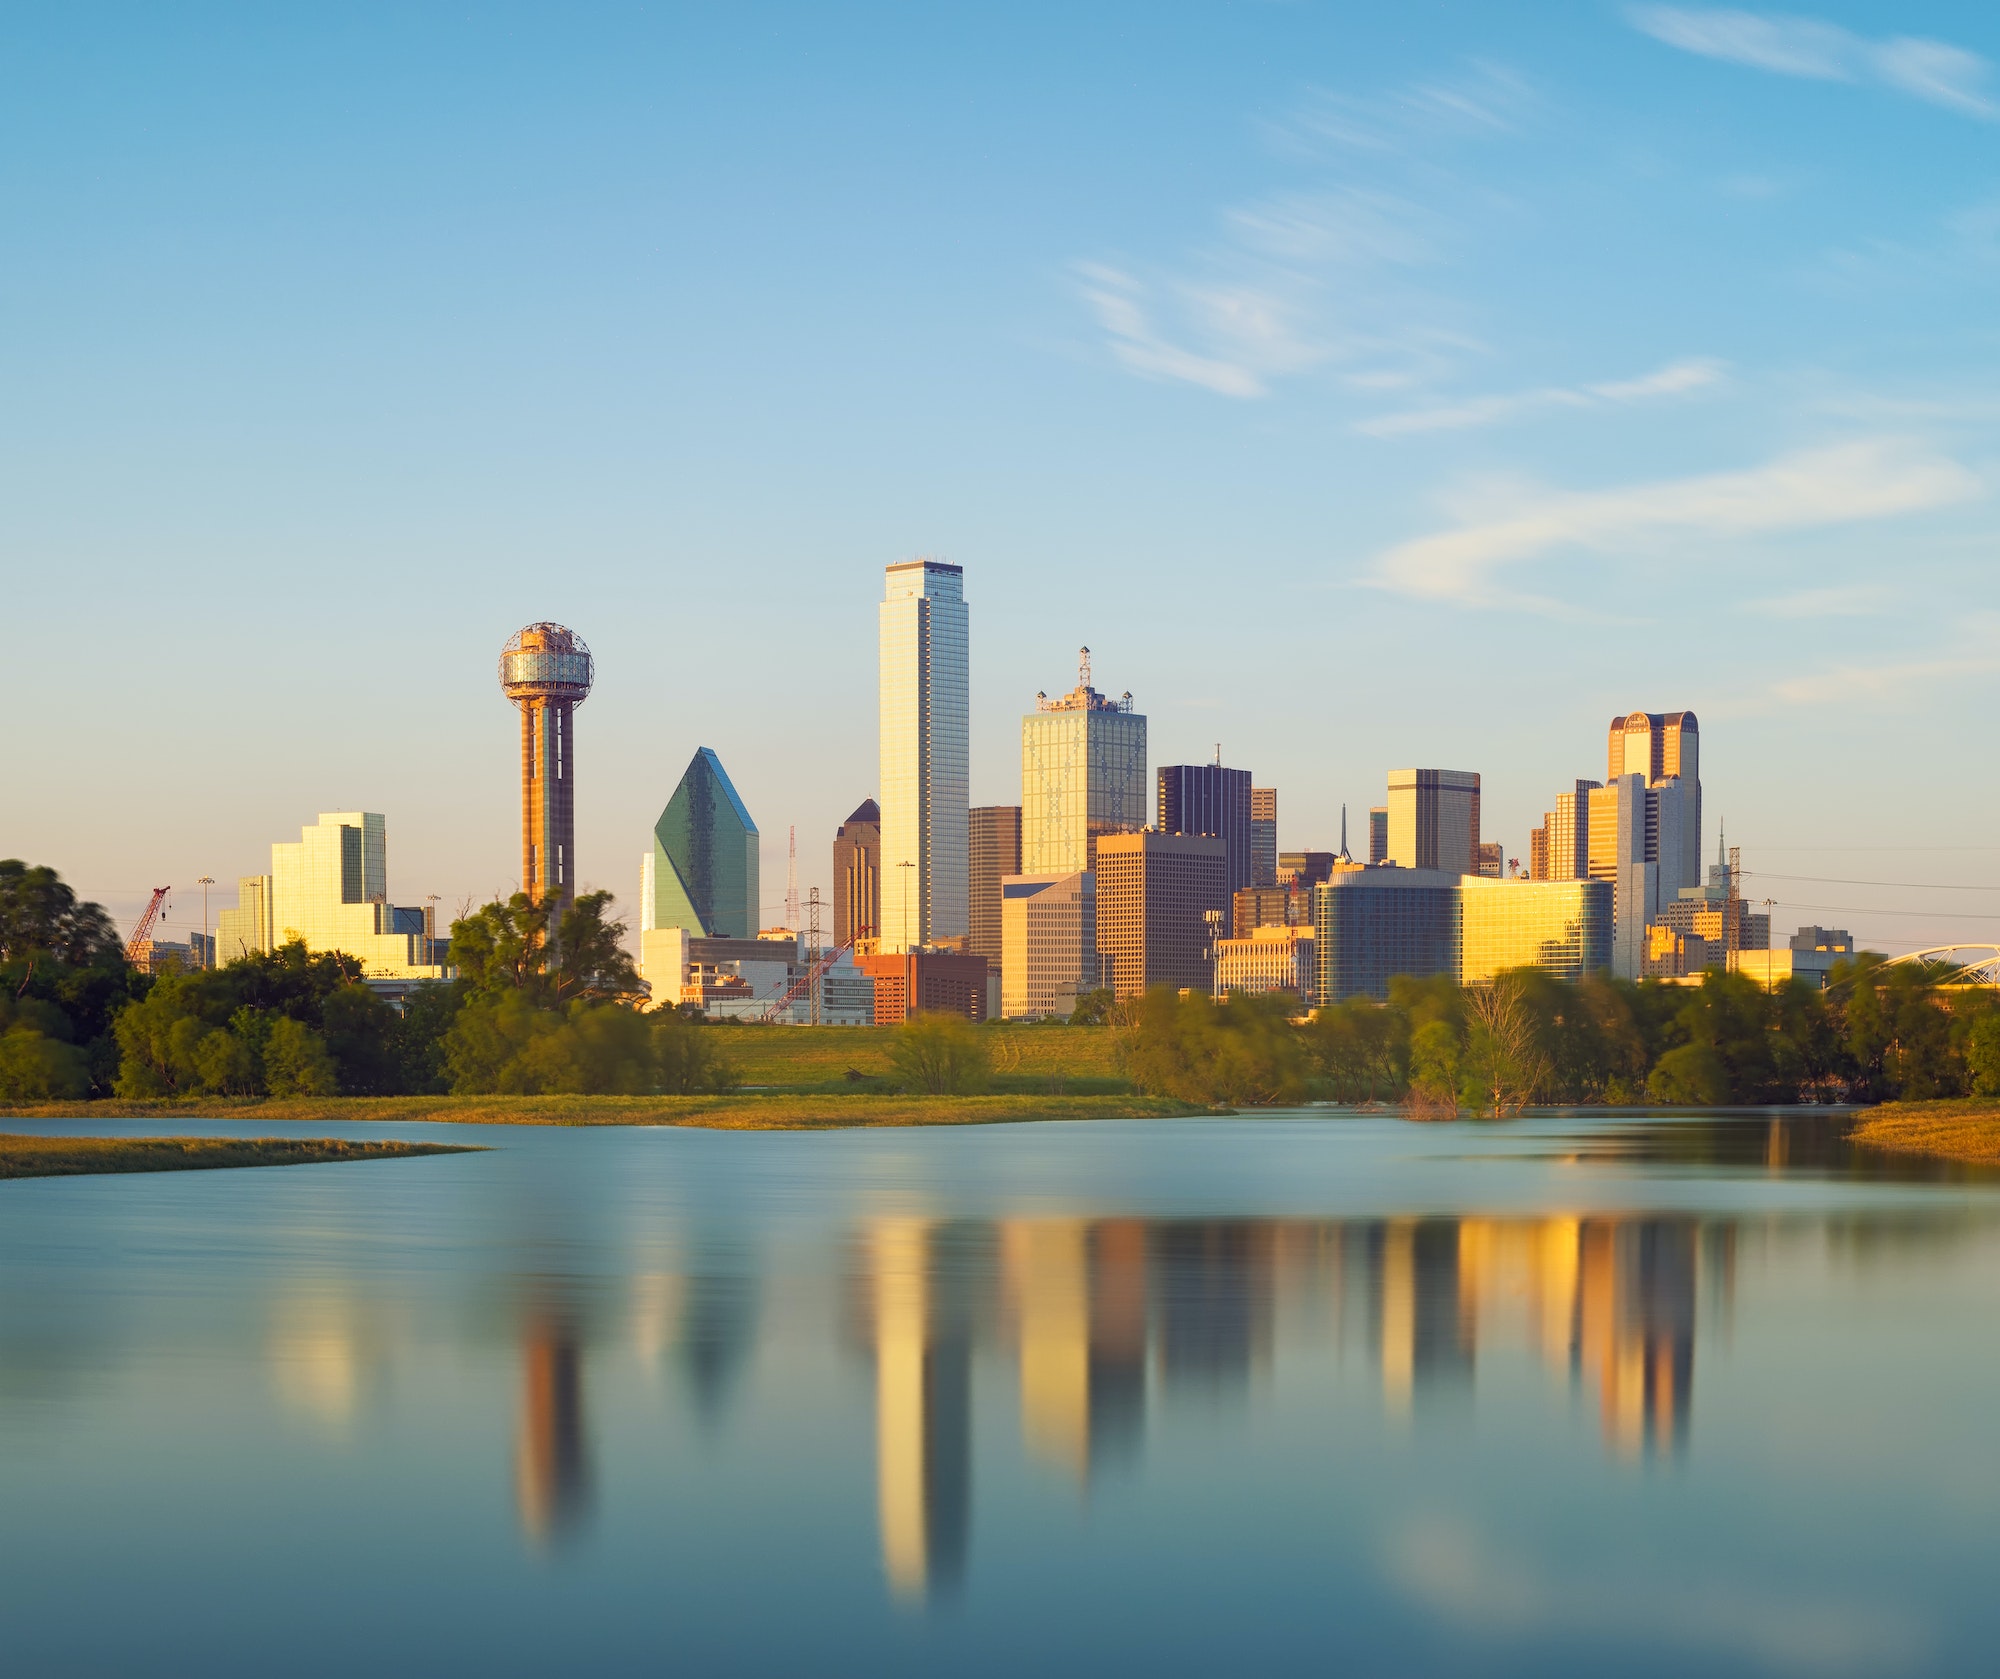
x=1836, y=880
x=1868, y=909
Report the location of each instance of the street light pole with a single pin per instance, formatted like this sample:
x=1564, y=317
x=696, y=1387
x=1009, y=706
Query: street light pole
x=207, y=950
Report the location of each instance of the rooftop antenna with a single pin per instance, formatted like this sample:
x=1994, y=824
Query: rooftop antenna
x=1343, y=828
x=1218, y=754
x=1083, y=667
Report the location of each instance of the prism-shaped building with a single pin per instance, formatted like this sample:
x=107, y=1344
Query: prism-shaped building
x=702, y=871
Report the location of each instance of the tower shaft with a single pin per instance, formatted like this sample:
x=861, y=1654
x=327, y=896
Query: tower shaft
x=548, y=800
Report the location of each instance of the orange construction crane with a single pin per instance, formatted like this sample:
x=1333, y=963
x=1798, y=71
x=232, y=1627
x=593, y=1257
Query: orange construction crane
x=142, y=935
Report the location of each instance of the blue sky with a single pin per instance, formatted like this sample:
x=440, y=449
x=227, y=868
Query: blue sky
x=1367, y=386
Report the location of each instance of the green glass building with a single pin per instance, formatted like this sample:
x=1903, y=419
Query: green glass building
x=702, y=872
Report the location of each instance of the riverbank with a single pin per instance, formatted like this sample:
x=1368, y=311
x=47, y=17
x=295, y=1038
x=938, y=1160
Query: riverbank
x=738, y=1111
x=1967, y=1130
x=57, y=1157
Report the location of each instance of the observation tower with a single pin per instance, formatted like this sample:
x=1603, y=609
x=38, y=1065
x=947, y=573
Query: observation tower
x=546, y=671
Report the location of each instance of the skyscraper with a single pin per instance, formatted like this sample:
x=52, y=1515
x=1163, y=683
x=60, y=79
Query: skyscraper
x=703, y=870
x=1658, y=746
x=1617, y=834
x=1378, y=834
x=1155, y=893
x=857, y=875
x=1083, y=775
x=547, y=671
x=1434, y=820
x=995, y=850
x=1263, y=836
x=1208, y=799
x=924, y=744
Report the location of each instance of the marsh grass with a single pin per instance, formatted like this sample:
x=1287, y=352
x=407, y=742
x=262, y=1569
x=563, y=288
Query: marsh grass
x=52, y=1157
x=1967, y=1130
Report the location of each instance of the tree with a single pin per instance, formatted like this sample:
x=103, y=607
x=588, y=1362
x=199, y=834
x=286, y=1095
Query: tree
x=688, y=1056
x=940, y=1055
x=39, y=915
x=1241, y=1051
x=1434, y=1072
x=510, y=947
x=1503, y=1066
x=1982, y=1053
x=296, y=1061
x=1691, y=1076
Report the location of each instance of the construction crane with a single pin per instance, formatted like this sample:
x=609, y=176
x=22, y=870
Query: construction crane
x=141, y=940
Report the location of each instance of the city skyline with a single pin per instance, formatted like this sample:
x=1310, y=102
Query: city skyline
x=1301, y=322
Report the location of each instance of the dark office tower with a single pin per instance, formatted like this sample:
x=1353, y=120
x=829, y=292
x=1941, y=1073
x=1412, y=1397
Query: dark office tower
x=1208, y=799
x=857, y=875
x=1301, y=871
x=1155, y=893
x=993, y=837
x=1378, y=834
x=1263, y=836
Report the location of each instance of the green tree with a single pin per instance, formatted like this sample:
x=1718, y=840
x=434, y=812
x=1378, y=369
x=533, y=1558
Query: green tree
x=40, y=916
x=512, y=947
x=1693, y=1075
x=297, y=1061
x=1242, y=1051
x=1435, y=1081
x=1093, y=1008
x=688, y=1056
x=35, y=1067
x=1982, y=1053
x=940, y=1055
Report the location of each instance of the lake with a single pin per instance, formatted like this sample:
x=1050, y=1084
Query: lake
x=1320, y=1392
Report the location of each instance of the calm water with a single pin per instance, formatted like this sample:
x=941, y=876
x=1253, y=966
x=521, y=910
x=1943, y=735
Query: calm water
x=1324, y=1393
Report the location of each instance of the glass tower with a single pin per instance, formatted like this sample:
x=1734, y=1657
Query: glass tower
x=1083, y=775
x=702, y=873
x=924, y=772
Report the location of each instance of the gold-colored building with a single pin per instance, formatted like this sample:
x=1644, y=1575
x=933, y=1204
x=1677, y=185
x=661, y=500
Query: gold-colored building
x=1562, y=927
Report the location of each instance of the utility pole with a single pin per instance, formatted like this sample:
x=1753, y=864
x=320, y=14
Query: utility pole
x=812, y=957
x=1732, y=912
x=207, y=956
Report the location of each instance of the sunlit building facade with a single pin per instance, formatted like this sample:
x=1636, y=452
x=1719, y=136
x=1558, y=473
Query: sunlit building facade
x=1266, y=959
x=1083, y=775
x=1434, y=820
x=1562, y=927
x=1263, y=836
x=703, y=870
x=857, y=875
x=994, y=852
x=924, y=743
x=1048, y=943
x=1209, y=799
x=331, y=889
x=1156, y=894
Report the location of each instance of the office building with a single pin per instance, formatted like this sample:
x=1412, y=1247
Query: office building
x=1563, y=848
x=1303, y=870
x=1083, y=775
x=930, y=982
x=857, y=875
x=331, y=889
x=922, y=622
x=1659, y=746
x=1378, y=834
x=1370, y=925
x=1273, y=906
x=724, y=977
x=702, y=872
x=546, y=671
x=1616, y=834
x=1434, y=820
x=1563, y=927
x=1208, y=799
x=1538, y=848
x=1162, y=901
x=995, y=852
x=1048, y=943
x=1492, y=860
x=1711, y=913
x=1263, y=836
x=1268, y=959
x=1810, y=955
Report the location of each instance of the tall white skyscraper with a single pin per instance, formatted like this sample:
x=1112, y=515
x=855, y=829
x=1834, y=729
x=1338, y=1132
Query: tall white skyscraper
x=924, y=768
x=1083, y=774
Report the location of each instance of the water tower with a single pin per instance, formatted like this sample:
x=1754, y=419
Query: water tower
x=546, y=671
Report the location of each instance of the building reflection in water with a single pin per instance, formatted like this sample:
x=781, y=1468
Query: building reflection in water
x=551, y=1454
x=923, y=1404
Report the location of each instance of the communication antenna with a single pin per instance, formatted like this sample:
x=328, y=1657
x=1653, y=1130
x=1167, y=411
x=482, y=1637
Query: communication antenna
x=1083, y=667
x=1343, y=828
x=792, y=879
x=1218, y=754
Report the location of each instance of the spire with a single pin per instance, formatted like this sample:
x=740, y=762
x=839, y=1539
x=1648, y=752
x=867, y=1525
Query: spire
x=1343, y=832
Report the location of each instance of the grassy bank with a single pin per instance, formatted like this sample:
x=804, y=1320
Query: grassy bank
x=53, y=1157
x=742, y=1111
x=1964, y=1130
x=1027, y=1060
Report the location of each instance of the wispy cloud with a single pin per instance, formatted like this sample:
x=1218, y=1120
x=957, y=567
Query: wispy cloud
x=1840, y=600
x=1675, y=379
x=1973, y=650
x=1247, y=335
x=1934, y=71
x=1871, y=479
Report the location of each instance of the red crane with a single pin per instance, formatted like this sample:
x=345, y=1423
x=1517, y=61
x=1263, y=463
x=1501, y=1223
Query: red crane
x=142, y=935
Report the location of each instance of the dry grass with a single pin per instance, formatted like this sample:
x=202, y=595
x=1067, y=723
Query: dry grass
x=1027, y=1060
x=52, y=1157
x=1962, y=1130
x=741, y=1111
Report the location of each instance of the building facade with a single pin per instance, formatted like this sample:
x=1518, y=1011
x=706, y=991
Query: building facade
x=1659, y=746
x=1378, y=834
x=331, y=890
x=1048, y=943
x=1269, y=959
x=703, y=871
x=1083, y=775
x=924, y=743
x=1209, y=799
x=1263, y=836
x=1563, y=927
x=929, y=982
x=1370, y=925
x=1434, y=820
x=1155, y=895
x=857, y=875
x=546, y=671
x=994, y=853
x=1273, y=906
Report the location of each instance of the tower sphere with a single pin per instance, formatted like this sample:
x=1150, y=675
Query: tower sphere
x=546, y=662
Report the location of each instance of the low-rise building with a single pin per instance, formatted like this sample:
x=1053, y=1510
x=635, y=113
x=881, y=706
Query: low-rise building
x=930, y=981
x=1269, y=959
x=1048, y=943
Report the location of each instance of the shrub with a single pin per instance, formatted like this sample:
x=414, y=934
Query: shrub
x=1690, y=1076
x=940, y=1055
